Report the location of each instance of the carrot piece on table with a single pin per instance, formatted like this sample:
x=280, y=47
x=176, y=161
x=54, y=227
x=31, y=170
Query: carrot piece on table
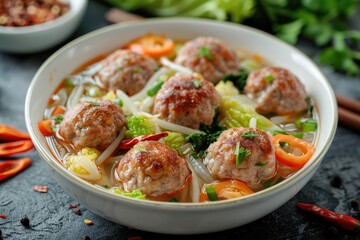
x=11, y=148
x=9, y=168
x=8, y=133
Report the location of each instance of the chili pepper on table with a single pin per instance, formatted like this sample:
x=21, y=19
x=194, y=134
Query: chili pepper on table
x=9, y=168
x=11, y=148
x=341, y=220
x=129, y=143
x=8, y=133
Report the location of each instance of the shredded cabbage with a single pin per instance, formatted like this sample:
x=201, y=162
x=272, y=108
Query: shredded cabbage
x=134, y=194
x=175, y=140
x=234, y=10
x=91, y=153
x=109, y=96
x=237, y=109
x=138, y=126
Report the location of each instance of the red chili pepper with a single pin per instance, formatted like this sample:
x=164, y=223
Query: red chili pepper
x=10, y=148
x=338, y=219
x=8, y=133
x=3, y=216
x=9, y=168
x=129, y=143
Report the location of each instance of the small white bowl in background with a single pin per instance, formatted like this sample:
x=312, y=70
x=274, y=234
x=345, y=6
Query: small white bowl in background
x=169, y=217
x=39, y=37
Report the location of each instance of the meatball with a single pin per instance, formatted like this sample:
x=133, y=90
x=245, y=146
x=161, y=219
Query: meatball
x=276, y=90
x=127, y=70
x=187, y=101
x=209, y=57
x=259, y=165
x=154, y=168
x=94, y=125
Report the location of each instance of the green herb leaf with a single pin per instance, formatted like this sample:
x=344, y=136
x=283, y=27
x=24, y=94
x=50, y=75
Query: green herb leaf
x=58, y=119
x=173, y=200
x=197, y=83
x=139, y=148
x=152, y=91
x=249, y=134
x=269, y=78
x=93, y=103
x=118, y=101
x=260, y=164
x=210, y=191
x=340, y=60
x=205, y=52
x=272, y=182
x=105, y=186
x=238, y=79
x=241, y=154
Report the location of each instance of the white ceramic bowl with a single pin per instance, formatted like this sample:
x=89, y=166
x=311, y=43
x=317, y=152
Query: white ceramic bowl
x=180, y=218
x=39, y=37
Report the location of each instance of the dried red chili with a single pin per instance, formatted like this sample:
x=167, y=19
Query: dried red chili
x=338, y=219
x=129, y=143
x=3, y=216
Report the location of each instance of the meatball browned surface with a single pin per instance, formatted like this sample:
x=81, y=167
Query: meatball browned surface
x=276, y=90
x=259, y=166
x=208, y=56
x=94, y=125
x=127, y=70
x=187, y=101
x=154, y=168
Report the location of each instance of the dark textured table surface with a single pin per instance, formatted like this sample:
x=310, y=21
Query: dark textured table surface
x=51, y=218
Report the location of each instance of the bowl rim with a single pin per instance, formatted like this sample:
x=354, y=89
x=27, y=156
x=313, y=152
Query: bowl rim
x=49, y=24
x=50, y=159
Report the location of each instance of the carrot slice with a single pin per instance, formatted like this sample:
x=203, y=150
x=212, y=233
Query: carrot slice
x=9, y=168
x=58, y=111
x=11, y=148
x=227, y=189
x=153, y=46
x=45, y=127
x=8, y=133
x=289, y=158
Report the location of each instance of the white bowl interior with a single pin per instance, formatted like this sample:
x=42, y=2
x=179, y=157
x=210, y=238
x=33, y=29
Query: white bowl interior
x=103, y=41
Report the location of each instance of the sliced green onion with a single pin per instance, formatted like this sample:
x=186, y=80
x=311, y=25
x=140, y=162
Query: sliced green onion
x=310, y=125
x=152, y=91
x=136, y=70
x=140, y=149
x=210, y=191
x=105, y=186
x=272, y=182
x=260, y=164
x=205, y=52
x=249, y=134
x=58, y=119
x=276, y=132
x=118, y=101
x=197, y=83
x=283, y=144
x=298, y=135
x=269, y=78
x=241, y=154
x=93, y=103
x=68, y=83
x=173, y=200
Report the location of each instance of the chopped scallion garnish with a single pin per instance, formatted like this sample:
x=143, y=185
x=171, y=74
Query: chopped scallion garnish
x=197, y=83
x=241, y=153
x=260, y=164
x=139, y=149
x=152, y=91
x=310, y=125
x=136, y=70
x=269, y=78
x=210, y=191
x=249, y=134
x=118, y=101
x=58, y=119
x=283, y=144
x=205, y=52
x=93, y=103
x=173, y=200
